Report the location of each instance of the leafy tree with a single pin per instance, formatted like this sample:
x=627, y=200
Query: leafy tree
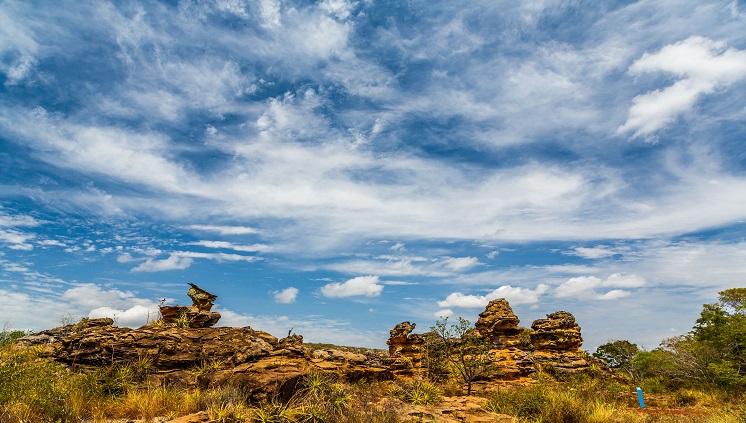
x=619, y=355
x=720, y=332
x=462, y=347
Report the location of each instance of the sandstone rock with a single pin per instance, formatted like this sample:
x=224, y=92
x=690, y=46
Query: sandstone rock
x=192, y=317
x=557, y=332
x=406, y=350
x=199, y=417
x=196, y=316
x=200, y=298
x=455, y=410
x=499, y=324
x=95, y=342
x=402, y=330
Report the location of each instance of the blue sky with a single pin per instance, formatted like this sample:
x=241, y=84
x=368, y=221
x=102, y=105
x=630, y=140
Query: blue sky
x=339, y=166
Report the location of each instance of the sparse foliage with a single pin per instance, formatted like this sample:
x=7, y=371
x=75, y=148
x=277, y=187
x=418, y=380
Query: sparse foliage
x=459, y=344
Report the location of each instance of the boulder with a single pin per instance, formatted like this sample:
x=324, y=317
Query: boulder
x=200, y=298
x=557, y=332
x=191, y=317
x=499, y=324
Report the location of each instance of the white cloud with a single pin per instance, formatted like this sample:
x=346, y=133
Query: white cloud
x=398, y=247
x=90, y=295
x=460, y=263
x=703, y=67
x=134, y=316
x=173, y=262
x=286, y=296
x=219, y=257
x=360, y=286
x=442, y=314
x=52, y=242
x=585, y=287
x=596, y=252
x=16, y=240
x=514, y=295
x=225, y=230
x=231, y=246
x=125, y=258
x=17, y=220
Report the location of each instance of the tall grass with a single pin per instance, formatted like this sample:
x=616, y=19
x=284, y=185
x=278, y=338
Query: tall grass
x=35, y=389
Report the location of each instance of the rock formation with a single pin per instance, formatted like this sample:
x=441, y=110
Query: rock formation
x=202, y=357
x=499, y=324
x=557, y=341
x=551, y=343
x=196, y=316
x=406, y=350
x=183, y=348
x=557, y=332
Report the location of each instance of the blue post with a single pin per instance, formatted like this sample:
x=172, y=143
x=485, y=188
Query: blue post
x=639, y=395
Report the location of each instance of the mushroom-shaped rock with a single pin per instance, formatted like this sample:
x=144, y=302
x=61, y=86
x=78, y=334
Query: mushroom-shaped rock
x=200, y=298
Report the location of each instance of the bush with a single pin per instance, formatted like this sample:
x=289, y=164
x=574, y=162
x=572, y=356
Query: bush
x=32, y=389
x=418, y=392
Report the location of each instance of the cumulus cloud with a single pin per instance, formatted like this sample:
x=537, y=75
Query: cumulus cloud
x=702, y=66
x=514, y=295
x=286, y=296
x=442, y=314
x=173, y=262
x=92, y=296
x=135, y=316
x=360, y=286
x=586, y=287
x=125, y=258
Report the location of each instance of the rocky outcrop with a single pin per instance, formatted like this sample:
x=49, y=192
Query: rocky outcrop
x=551, y=343
x=196, y=316
x=196, y=354
x=204, y=357
x=499, y=324
x=406, y=350
x=557, y=332
x=557, y=341
x=96, y=342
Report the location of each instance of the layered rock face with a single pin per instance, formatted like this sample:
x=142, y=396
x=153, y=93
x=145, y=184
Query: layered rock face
x=499, y=324
x=204, y=357
x=557, y=340
x=195, y=354
x=406, y=350
x=557, y=332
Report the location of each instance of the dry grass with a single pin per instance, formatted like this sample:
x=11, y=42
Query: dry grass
x=39, y=390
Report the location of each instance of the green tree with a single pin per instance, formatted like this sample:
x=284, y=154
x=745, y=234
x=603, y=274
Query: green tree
x=618, y=355
x=462, y=347
x=720, y=332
